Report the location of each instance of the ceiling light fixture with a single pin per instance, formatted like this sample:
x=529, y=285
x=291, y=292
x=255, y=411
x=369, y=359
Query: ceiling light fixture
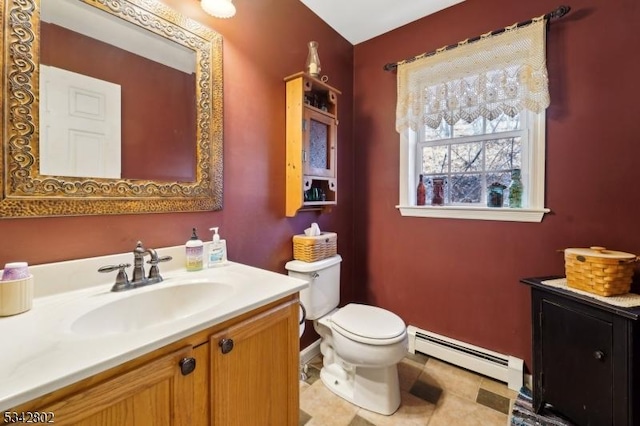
x=219, y=8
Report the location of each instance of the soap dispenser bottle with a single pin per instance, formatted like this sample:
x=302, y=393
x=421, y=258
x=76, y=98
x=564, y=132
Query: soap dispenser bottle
x=218, y=250
x=194, y=252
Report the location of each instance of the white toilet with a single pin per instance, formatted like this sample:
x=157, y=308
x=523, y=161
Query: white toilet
x=361, y=345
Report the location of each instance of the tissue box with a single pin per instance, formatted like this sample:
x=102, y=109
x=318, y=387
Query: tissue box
x=311, y=249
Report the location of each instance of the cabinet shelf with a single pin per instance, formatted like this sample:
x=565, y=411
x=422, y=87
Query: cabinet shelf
x=318, y=203
x=311, y=137
x=320, y=111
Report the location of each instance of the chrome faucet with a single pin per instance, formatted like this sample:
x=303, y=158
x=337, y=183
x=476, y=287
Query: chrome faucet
x=139, y=279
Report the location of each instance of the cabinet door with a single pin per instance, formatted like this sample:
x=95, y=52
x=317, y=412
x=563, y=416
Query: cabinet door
x=577, y=368
x=319, y=154
x=201, y=386
x=255, y=370
x=155, y=394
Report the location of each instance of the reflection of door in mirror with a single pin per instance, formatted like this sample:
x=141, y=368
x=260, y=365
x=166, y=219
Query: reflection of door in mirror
x=79, y=125
x=158, y=101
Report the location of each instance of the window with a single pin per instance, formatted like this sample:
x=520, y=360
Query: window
x=467, y=120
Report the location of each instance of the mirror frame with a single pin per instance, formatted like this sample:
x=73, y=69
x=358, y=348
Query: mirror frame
x=26, y=193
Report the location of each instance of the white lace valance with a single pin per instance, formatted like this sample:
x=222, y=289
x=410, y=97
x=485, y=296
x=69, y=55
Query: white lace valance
x=503, y=73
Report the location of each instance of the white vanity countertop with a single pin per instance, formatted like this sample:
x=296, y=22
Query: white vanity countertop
x=40, y=353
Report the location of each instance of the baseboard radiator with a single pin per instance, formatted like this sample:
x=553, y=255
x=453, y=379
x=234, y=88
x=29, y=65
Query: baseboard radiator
x=500, y=367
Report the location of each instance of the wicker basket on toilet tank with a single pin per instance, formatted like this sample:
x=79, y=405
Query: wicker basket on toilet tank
x=312, y=249
x=599, y=271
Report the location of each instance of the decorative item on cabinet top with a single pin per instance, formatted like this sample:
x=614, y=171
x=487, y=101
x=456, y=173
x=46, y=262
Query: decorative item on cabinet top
x=313, y=60
x=599, y=271
x=311, y=138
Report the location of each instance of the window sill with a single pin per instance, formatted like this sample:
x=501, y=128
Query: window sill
x=475, y=213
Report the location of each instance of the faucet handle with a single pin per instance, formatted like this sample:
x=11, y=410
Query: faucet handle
x=122, y=280
x=154, y=271
x=153, y=261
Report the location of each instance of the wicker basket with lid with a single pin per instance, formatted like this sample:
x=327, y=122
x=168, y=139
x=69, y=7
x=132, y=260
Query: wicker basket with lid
x=599, y=271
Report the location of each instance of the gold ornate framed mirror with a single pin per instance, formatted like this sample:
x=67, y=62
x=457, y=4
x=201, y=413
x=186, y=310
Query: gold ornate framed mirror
x=28, y=193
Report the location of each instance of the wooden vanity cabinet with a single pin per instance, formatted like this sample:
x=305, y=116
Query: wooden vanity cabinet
x=255, y=382
x=154, y=393
x=312, y=146
x=586, y=357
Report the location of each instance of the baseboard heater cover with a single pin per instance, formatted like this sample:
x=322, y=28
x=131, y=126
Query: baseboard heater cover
x=501, y=367
x=310, y=352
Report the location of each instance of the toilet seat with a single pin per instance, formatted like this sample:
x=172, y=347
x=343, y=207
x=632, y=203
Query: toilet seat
x=368, y=324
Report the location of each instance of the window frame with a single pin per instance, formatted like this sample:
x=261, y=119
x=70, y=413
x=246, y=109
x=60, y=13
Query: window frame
x=533, y=173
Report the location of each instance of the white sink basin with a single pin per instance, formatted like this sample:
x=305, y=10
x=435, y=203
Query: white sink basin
x=137, y=311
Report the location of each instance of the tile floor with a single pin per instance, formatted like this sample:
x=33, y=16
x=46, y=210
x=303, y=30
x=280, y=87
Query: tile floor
x=433, y=393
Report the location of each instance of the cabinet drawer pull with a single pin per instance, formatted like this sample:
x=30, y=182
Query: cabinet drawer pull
x=599, y=355
x=187, y=365
x=226, y=345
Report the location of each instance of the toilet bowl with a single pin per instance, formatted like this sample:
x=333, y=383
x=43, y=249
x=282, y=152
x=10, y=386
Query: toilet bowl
x=361, y=345
x=360, y=365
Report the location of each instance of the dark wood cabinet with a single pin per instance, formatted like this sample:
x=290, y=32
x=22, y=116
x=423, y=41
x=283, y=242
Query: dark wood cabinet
x=586, y=356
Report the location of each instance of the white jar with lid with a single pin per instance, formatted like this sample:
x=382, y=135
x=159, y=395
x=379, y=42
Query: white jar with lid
x=16, y=289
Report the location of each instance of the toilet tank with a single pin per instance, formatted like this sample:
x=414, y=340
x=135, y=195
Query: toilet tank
x=323, y=294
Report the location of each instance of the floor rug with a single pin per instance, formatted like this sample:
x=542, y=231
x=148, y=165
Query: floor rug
x=522, y=413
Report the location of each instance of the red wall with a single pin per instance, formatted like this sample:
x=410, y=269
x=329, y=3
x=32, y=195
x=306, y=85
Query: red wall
x=455, y=277
x=460, y=278
x=262, y=44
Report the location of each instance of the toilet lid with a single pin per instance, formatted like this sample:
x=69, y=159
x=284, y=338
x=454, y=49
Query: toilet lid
x=364, y=322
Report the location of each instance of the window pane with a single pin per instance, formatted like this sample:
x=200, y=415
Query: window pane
x=466, y=157
x=502, y=178
x=504, y=123
x=434, y=159
x=503, y=154
x=318, y=141
x=470, y=167
x=442, y=132
x=465, y=188
x=462, y=128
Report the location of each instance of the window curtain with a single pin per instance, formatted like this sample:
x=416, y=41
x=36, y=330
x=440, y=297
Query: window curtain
x=502, y=73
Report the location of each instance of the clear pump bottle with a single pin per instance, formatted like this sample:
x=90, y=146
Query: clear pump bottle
x=217, y=250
